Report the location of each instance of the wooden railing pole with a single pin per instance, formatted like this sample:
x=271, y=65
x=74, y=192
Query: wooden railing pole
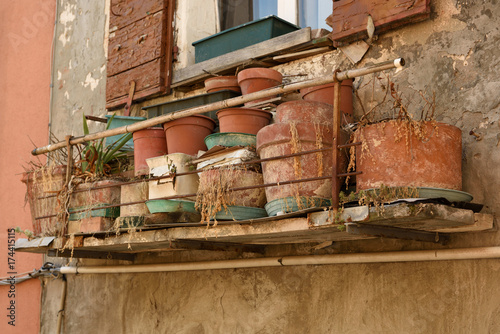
x=336, y=142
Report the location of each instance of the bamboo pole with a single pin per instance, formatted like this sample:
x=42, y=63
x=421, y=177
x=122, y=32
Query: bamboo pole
x=397, y=63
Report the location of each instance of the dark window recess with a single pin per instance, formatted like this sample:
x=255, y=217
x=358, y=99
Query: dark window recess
x=234, y=13
x=140, y=49
x=350, y=17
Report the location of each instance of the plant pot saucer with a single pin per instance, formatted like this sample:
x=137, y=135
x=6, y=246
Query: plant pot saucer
x=290, y=204
x=234, y=212
x=429, y=193
x=230, y=139
x=170, y=205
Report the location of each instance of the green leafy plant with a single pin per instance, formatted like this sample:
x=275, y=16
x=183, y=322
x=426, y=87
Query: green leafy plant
x=96, y=158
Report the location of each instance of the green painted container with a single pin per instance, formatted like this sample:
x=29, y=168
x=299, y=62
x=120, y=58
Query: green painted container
x=241, y=36
x=191, y=102
x=230, y=139
x=290, y=204
x=119, y=121
x=170, y=205
x=93, y=211
x=240, y=213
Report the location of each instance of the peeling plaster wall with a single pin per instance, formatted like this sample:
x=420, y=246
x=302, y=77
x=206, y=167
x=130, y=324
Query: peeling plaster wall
x=79, y=65
x=454, y=54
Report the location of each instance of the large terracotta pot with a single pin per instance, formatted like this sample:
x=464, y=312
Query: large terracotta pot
x=236, y=178
x=41, y=183
x=148, y=143
x=243, y=120
x=393, y=156
x=277, y=140
x=253, y=80
x=187, y=135
x=222, y=83
x=324, y=93
x=304, y=111
x=88, y=196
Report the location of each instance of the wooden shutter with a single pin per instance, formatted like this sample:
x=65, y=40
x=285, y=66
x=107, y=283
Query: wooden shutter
x=350, y=17
x=140, y=49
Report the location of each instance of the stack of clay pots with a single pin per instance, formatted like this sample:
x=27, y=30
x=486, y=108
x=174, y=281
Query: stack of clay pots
x=249, y=120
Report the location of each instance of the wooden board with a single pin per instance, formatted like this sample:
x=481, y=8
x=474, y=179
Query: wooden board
x=198, y=72
x=349, y=18
x=140, y=49
x=317, y=228
x=125, y=12
x=137, y=44
x=148, y=77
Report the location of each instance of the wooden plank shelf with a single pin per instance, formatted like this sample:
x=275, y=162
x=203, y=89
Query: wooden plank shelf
x=402, y=220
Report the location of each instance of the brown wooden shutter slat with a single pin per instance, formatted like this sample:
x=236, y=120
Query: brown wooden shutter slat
x=136, y=44
x=140, y=44
x=349, y=17
x=124, y=12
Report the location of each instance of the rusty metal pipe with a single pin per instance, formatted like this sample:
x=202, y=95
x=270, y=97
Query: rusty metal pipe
x=197, y=171
x=192, y=195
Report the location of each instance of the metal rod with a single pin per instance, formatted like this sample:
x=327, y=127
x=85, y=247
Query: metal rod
x=192, y=195
x=397, y=63
x=196, y=171
x=349, y=145
x=349, y=174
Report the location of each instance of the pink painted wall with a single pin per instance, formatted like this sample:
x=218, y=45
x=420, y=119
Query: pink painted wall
x=26, y=39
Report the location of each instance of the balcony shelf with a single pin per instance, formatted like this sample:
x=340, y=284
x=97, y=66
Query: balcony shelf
x=416, y=221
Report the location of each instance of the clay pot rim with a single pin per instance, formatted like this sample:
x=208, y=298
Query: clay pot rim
x=391, y=122
x=323, y=104
x=222, y=78
x=29, y=176
x=260, y=73
x=185, y=121
x=153, y=132
x=245, y=111
x=308, y=90
x=286, y=126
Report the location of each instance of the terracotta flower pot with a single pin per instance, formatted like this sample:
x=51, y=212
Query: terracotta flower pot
x=393, y=156
x=187, y=135
x=277, y=140
x=42, y=183
x=148, y=143
x=255, y=79
x=243, y=120
x=324, y=93
x=85, y=215
x=304, y=111
x=236, y=178
x=90, y=197
x=222, y=83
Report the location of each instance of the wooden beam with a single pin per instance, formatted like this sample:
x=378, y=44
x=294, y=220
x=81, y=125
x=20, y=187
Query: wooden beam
x=396, y=233
x=84, y=254
x=482, y=222
x=197, y=72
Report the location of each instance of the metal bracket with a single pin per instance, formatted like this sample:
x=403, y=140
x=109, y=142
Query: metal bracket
x=90, y=254
x=397, y=233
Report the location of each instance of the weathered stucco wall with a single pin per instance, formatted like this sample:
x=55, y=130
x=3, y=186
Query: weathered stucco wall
x=454, y=54
x=27, y=28
x=79, y=66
